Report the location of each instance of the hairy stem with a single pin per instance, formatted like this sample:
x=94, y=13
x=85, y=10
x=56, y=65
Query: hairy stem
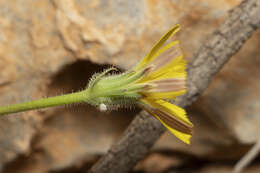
x=77, y=97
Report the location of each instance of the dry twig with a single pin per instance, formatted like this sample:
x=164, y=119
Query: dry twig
x=144, y=130
x=247, y=158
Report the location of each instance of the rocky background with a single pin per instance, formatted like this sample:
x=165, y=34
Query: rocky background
x=51, y=47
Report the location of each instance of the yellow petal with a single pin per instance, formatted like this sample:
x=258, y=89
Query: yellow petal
x=174, y=111
x=174, y=69
x=169, y=108
x=164, y=95
x=182, y=136
x=152, y=54
x=172, y=49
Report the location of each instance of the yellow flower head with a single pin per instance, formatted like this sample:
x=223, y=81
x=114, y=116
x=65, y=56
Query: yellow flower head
x=167, y=77
x=158, y=77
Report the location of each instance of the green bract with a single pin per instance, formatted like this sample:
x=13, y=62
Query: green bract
x=117, y=89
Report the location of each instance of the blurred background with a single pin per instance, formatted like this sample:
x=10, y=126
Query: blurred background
x=52, y=47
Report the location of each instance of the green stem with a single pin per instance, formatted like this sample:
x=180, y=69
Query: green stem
x=46, y=102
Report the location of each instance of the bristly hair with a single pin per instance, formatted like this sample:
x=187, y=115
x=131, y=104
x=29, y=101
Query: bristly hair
x=97, y=76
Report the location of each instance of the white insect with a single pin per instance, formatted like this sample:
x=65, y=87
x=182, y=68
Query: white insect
x=102, y=107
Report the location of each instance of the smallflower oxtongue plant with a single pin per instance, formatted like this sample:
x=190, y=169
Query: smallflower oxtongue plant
x=160, y=76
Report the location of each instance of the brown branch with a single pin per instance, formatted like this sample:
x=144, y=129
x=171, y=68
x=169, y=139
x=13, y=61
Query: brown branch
x=144, y=130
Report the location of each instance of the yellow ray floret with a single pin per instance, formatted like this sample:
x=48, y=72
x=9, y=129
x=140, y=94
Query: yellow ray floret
x=168, y=63
x=164, y=95
x=170, y=108
x=182, y=136
x=176, y=118
x=152, y=54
